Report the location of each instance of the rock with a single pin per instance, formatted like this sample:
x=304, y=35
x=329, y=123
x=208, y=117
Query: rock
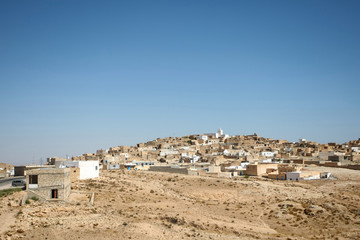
x=45, y=225
x=308, y=212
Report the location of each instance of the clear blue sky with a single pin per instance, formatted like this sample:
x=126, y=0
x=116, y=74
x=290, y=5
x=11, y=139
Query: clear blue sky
x=77, y=76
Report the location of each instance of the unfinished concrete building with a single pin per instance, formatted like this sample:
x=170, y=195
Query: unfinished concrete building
x=48, y=184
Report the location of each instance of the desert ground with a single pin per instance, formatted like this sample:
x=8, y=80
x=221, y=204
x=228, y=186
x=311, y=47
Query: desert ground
x=150, y=205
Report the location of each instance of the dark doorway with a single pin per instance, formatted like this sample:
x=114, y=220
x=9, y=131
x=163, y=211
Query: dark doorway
x=54, y=193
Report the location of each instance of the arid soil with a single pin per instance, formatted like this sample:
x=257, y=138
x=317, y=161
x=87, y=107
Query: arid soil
x=149, y=205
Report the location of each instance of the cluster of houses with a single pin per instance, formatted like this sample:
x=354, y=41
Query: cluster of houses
x=210, y=154
x=209, y=147
x=272, y=170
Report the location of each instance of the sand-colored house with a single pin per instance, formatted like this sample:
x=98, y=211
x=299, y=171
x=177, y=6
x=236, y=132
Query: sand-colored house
x=48, y=183
x=260, y=169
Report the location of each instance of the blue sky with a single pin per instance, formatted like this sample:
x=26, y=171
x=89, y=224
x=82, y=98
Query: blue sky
x=76, y=76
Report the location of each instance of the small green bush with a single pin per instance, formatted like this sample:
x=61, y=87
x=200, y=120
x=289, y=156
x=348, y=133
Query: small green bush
x=246, y=176
x=27, y=201
x=35, y=198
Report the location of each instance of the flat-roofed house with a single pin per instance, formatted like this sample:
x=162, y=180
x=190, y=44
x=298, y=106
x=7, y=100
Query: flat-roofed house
x=260, y=169
x=303, y=175
x=49, y=183
x=88, y=169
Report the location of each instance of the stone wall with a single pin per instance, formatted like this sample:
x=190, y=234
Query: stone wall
x=168, y=169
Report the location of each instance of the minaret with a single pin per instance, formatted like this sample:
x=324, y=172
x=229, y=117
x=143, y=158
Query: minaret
x=220, y=132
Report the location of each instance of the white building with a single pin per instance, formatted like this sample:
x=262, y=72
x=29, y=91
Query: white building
x=165, y=152
x=88, y=169
x=355, y=149
x=219, y=133
x=194, y=159
x=325, y=174
x=244, y=164
x=302, y=175
x=235, y=152
x=202, y=137
x=185, y=148
x=269, y=160
x=268, y=154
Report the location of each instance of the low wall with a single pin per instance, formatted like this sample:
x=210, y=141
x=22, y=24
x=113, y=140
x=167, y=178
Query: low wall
x=352, y=167
x=168, y=169
x=312, y=162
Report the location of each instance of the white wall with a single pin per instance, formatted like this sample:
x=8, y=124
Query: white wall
x=268, y=154
x=244, y=164
x=312, y=177
x=194, y=159
x=296, y=176
x=89, y=169
x=266, y=161
x=202, y=137
x=165, y=152
x=65, y=164
x=356, y=149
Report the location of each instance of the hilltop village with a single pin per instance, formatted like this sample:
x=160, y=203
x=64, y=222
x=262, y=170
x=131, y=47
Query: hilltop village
x=219, y=154
x=210, y=154
x=207, y=186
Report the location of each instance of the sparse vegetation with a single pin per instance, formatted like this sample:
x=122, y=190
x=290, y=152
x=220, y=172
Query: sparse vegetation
x=196, y=207
x=35, y=198
x=9, y=191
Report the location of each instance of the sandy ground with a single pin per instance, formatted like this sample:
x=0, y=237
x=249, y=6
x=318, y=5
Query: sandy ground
x=149, y=205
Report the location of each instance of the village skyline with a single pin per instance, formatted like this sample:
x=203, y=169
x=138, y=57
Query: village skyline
x=42, y=159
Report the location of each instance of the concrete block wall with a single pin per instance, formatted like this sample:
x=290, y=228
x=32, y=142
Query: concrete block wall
x=49, y=179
